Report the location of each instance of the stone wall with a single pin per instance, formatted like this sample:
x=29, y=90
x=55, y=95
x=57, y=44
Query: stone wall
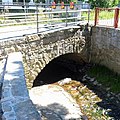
x=15, y=100
x=105, y=47
x=39, y=50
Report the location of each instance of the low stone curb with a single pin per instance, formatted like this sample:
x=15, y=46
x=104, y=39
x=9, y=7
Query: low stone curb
x=15, y=101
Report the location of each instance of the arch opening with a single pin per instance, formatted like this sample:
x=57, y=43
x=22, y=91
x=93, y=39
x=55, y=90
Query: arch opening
x=70, y=65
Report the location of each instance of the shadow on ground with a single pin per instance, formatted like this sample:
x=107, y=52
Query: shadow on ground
x=56, y=111
x=53, y=111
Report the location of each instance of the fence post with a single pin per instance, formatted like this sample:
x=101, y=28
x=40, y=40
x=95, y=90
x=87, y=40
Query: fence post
x=37, y=18
x=96, y=16
x=88, y=14
x=66, y=14
x=116, y=17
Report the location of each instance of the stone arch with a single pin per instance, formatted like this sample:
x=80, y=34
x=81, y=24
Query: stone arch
x=40, y=52
x=69, y=65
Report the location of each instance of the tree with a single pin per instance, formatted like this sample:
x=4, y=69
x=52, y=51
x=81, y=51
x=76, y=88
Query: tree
x=38, y=1
x=99, y=3
x=115, y=2
x=103, y=3
x=22, y=1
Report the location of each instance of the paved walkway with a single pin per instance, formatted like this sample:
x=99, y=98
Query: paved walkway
x=54, y=103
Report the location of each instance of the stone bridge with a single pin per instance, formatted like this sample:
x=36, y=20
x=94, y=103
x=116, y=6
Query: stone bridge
x=66, y=46
x=37, y=50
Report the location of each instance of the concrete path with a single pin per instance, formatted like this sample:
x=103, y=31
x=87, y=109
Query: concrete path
x=54, y=103
x=18, y=31
x=15, y=32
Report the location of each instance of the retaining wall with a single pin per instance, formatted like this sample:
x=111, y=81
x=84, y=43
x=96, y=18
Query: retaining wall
x=105, y=47
x=15, y=100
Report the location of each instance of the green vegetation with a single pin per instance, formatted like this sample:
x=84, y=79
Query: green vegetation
x=105, y=14
x=99, y=3
x=27, y=1
x=104, y=3
x=38, y=1
x=106, y=77
x=91, y=17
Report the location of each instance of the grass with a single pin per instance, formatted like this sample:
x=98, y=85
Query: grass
x=102, y=15
x=92, y=15
x=106, y=77
x=106, y=15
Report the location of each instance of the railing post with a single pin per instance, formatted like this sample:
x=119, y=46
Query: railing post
x=88, y=14
x=96, y=16
x=37, y=18
x=116, y=17
x=66, y=14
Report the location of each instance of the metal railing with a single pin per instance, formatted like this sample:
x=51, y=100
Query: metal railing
x=34, y=18
x=107, y=17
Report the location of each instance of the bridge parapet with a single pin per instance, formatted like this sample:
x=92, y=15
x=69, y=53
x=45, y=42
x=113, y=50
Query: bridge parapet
x=15, y=101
